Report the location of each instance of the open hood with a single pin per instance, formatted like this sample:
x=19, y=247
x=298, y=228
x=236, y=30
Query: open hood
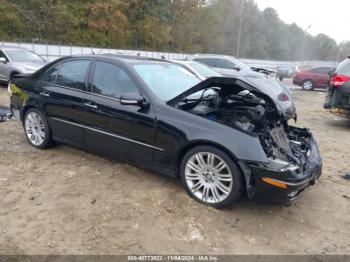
x=223, y=83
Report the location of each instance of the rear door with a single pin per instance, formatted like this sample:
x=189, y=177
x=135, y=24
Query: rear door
x=126, y=131
x=62, y=88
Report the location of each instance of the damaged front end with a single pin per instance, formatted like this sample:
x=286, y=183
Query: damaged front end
x=292, y=159
x=294, y=163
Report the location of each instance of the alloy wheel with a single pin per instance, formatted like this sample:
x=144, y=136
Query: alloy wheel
x=35, y=128
x=208, y=177
x=308, y=85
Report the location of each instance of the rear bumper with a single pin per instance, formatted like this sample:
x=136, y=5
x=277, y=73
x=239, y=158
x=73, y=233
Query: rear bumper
x=338, y=101
x=295, y=181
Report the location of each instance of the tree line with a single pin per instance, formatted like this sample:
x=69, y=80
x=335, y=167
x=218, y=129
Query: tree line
x=232, y=27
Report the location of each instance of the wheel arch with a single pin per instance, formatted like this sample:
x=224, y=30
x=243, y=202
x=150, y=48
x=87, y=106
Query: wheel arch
x=186, y=148
x=31, y=104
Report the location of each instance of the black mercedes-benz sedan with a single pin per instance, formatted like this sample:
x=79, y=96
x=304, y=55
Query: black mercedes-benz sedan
x=222, y=137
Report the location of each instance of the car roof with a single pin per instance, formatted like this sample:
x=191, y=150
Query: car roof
x=128, y=59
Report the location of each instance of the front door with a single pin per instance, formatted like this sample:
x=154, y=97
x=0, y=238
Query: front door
x=127, y=131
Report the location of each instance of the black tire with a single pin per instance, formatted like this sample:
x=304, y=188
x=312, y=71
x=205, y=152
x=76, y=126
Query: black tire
x=308, y=85
x=47, y=141
x=237, y=181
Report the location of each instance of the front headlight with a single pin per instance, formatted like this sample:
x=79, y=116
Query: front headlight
x=282, y=165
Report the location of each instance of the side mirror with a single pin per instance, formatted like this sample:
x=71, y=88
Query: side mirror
x=133, y=99
x=3, y=60
x=236, y=68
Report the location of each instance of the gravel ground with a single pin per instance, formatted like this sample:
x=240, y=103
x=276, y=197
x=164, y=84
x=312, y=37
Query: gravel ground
x=67, y=201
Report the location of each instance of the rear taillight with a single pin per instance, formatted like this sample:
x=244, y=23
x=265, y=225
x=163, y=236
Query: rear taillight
x=340, y=80
x=283, y=97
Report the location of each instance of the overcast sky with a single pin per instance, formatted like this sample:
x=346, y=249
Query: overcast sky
x=328, y=17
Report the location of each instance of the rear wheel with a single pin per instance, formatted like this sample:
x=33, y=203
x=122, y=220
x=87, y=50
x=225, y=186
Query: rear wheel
x=211, y=177
x=37, y=129
x=308, y=85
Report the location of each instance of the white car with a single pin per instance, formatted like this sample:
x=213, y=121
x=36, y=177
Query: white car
x=200, y=70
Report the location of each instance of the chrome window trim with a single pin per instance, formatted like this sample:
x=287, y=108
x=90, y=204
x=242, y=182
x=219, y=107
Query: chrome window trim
x=107, y=133
x=103, y=96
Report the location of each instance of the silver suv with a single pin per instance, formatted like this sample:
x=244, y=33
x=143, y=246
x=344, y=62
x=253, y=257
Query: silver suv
x=226, y=65
x=16, y=60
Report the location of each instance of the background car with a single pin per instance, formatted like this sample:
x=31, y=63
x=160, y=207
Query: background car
x=338, y=96
x=227, y=65
x=313, y=78
x=15, y=60
x=286, y=71
x=202, y=71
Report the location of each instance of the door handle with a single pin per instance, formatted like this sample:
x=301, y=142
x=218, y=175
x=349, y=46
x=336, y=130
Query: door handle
x=45, y=94
x=90, y=105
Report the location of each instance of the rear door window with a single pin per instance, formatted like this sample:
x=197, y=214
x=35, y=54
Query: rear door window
x=72, y=74
x=322, y=70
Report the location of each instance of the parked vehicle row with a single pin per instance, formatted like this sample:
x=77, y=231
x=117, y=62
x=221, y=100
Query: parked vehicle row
x=222, y=136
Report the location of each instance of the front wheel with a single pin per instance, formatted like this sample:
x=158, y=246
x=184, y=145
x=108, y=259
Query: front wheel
x=211, y=177
x=308, y=85
x=37, y=129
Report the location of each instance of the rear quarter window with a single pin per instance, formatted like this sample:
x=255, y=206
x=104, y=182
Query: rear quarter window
x=49, y=76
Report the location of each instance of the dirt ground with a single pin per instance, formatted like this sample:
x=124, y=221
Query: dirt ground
x=67, y=201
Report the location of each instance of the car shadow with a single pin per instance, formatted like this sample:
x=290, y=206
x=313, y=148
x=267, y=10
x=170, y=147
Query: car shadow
x=338, y=122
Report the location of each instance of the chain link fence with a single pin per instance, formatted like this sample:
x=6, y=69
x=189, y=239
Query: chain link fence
x=52, y=52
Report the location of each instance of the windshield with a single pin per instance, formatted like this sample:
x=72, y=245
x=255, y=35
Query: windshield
x=166, y=80
x=23, y=56
x=203, y=70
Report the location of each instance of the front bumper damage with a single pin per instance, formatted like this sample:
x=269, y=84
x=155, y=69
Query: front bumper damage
x=278, y=183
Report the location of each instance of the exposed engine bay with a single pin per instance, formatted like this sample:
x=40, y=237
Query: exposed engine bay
x=255, y=114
